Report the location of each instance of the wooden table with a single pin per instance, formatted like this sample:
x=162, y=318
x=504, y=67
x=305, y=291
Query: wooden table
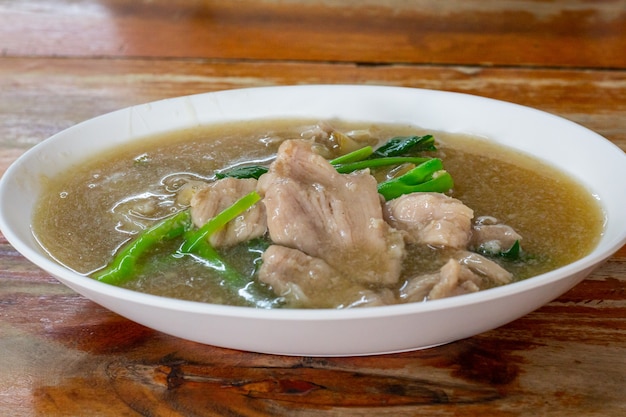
x=64, y=61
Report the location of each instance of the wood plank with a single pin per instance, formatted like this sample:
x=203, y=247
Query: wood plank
x=575, y=33
x=44, y=96
x=74, y=352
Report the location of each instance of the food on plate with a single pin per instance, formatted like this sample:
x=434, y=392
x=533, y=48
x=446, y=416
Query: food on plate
x=304, y=214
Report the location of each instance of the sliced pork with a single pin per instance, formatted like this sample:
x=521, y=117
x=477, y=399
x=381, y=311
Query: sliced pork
x=464, y=273
x=431, y=218
x=304, y=281
x=452, y=279
x=417, y=289
x=207, y=202
x=485, y=267
x=334, y=217
x=301, y=279
x=491, y=236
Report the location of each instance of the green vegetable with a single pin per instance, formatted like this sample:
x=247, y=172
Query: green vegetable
x=123, y=265
x=395, y=147
x=255, y=171
x=197, y=241
x=353, y=156
x=513, y=252
x=197, y=245
x=251, y=171
x=194, y=240
x=428, y=176
x=237, y=283
x=403, y=145
x=378, y=162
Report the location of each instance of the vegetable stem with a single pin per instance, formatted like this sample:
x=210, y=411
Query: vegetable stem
x=429, y=176
x=195, y=238
x=122, y=267
x=197, y=245
x=379, y=162
x=353, y=156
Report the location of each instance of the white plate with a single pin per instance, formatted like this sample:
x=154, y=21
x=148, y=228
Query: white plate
x=363, y=331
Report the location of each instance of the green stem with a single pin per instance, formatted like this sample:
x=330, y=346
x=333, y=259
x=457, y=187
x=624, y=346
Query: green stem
x=353, y=156
x=197, y=245
x=378, y=162
x=123, y=265
x=195, y=238
x=426, y=177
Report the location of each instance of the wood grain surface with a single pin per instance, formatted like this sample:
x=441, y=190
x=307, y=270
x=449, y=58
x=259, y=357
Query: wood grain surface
x=65, y=61
x=577, y=33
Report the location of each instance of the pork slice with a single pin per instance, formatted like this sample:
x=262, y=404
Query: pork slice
x=417, y=288
x=455, y=279
x=448, y=281
x=431, y=218
x=334, y=217
x=304, y=281
x=491, y=236
x=452, y=279
x=209, y=201
x=485, y=267
x=296, y=276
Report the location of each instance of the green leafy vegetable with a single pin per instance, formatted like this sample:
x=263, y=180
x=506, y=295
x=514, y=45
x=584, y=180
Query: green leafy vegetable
x=513, y=252
x=250, y=171
x=402, y=145
x=427, y=176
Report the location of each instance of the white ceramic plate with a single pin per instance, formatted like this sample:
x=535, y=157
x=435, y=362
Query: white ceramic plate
x=375, y=330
